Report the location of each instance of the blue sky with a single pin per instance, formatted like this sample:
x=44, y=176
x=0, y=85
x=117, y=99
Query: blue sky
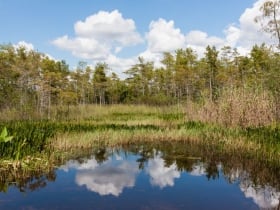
x=118, y=31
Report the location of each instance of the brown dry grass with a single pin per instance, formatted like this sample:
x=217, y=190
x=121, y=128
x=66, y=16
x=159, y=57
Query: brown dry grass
x=237, y=107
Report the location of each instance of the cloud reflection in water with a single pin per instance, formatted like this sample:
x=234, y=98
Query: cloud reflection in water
x=198, y=170
x=107, y=178
x=161, y=175
x=113, y=175
x=266, y=197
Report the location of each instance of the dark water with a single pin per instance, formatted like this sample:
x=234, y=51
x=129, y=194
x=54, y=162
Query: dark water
x=150, y=177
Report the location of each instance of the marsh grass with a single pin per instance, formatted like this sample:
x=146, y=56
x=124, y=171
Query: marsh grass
x=93, y=126
x=238, y=107
x=96, y=112
x=224, y=140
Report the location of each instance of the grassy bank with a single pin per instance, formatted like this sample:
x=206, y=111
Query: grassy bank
x=261, y=143
x=86, y=127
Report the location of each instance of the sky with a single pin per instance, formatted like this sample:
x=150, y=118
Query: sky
x=119, y=31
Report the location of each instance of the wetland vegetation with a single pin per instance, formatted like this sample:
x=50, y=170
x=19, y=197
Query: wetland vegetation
x=222, y=106
x=228, y=106
x=213, y=115
x=194, y=112
x=47, y=143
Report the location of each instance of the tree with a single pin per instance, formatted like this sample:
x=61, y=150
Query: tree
x=140, y=78
x=211, y=58
x=270, y=18
x=52, y=84
x=260, y=58
x=8, y=77
x=168, y=75
x=244, y=67
x=117, y=89
x=100, y=82
x=82, y=82
x=185, y=66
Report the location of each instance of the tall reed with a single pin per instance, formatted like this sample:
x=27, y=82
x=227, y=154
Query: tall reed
x=236, y=108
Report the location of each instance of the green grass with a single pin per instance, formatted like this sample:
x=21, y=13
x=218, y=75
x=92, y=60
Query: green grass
x=91, y=126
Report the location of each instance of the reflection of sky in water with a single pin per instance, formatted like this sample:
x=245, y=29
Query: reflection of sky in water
x=198, y=170
x=159, y=174
x=107, y=178
x=265, y=197
x=114, y=175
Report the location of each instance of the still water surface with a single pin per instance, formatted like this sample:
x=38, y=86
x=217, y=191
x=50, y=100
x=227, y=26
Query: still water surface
x=145, y=178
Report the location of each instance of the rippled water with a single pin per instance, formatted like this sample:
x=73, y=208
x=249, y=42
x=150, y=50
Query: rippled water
x=148, y=177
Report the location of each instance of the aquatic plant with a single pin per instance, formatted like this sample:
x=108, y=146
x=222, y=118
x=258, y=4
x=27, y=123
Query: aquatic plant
x=4, y=136
x=28, y=138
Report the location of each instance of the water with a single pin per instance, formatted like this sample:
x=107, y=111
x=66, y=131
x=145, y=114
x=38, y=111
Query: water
x=150, y=177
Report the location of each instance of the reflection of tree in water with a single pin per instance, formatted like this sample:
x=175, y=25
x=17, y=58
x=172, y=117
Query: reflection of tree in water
x=185, y=156
x=38, y=182
x=236, y=166
x=145, y=151
x=101, y=154
x=25, y=181
x=212, y=171
x=31, y=180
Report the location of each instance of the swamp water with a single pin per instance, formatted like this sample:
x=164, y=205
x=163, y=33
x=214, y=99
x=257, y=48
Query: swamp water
x=151, y=176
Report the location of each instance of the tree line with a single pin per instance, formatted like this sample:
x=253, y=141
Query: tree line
x=31, y=81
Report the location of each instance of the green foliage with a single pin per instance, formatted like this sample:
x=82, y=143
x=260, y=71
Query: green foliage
x=172, y=116
x=264, y=135
x=31, y=84
x=4, y=136
x=28, y=138
x=116, y=125
x=100, y=83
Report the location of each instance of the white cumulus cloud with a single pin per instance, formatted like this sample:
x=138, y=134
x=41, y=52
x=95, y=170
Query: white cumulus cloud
x=119, y=65
x=163, y=36
x=103, y=36
x=250, y=32
x=108, y=27
x=83, y=47
x=200, y=38
x=100, y=35
x=26, y=45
